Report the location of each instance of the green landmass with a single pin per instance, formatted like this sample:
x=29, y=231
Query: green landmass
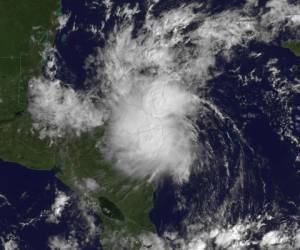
x=292, y=45
x=123, y=203
x=109, y=209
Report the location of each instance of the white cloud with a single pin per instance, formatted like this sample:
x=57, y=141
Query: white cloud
x=57, y=109
x=58, y=242
x=92, y=230
x=57, y=208
x=230, y=237
x=281, y=14
x=281, y=10
x=152, y=241
x=91, y=184
x=63, y=20
x=297, y=239
x=150, y=85
x=4, y=201
x=273, y=238
x=11, y=245
x=196, y=244
x=151, y=130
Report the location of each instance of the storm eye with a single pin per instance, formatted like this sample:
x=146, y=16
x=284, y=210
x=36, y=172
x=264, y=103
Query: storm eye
x=150, y=71
x=186, y=109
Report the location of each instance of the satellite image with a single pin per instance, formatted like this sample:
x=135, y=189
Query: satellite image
x=149, y=125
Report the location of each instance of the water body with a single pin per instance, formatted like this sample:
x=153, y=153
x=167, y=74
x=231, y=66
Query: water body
x=251, y=167
x=27, y=216
x=252, y=172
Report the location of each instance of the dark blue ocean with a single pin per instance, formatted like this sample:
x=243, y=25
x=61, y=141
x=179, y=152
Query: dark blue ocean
x=26, y=199
x=243, y=90
x=259, y=154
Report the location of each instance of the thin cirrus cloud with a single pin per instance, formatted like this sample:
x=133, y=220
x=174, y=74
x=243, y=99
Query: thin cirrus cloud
x=150, y=104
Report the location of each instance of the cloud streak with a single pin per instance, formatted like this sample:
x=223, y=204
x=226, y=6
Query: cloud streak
x=150, y=84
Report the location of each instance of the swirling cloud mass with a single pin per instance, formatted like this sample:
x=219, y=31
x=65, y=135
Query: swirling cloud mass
x=152, y=83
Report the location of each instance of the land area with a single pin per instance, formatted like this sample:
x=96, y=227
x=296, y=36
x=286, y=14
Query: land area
x=122, y=203
x=292, y=45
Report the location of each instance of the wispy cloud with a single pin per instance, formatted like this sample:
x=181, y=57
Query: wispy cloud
x=57, y=109
x=150, y=84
